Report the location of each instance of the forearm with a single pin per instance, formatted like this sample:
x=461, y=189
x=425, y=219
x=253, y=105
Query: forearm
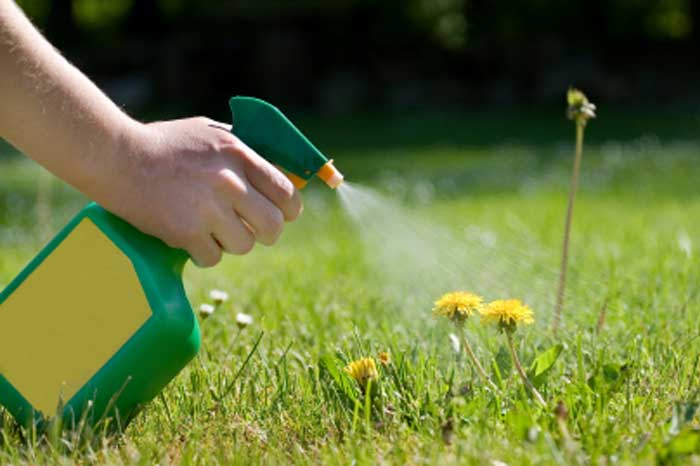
x=186, y=182
x=52, y=112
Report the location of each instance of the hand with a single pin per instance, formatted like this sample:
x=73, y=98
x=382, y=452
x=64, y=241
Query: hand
x=189, y=182
x=197, y=187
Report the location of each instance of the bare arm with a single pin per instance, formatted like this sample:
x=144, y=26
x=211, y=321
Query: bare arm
x=186, y=181
x=50, y=110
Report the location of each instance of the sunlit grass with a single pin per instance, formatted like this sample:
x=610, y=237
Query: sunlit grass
x=628, y=382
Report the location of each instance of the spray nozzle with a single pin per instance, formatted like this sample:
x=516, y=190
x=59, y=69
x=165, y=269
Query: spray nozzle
x=268, y=132
x=330, y=175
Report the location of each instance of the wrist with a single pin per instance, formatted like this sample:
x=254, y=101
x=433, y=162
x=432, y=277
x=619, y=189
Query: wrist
x=122, y=175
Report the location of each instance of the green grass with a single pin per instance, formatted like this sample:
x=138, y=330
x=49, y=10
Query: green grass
x=331, y=292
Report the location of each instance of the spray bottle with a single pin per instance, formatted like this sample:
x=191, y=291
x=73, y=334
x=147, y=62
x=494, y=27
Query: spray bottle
x=98, y=323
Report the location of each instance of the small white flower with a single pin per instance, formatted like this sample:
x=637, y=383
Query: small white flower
x=454, y=341
x=685, y=243
x=498, y=463
x=243, y=320
x=218, y=296
x=206, y=310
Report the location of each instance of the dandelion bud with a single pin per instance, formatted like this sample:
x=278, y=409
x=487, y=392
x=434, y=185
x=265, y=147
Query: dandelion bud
x=243, y=320
x=579, y=109
x=384, y=358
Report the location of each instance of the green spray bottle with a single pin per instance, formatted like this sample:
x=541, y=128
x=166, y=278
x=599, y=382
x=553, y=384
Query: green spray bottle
x=98, y=322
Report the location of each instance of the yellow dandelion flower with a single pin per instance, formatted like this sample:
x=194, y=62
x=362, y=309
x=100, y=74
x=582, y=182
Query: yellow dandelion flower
x=362, y=370
x=384, y=358
x=458, y=305
x=507, y=313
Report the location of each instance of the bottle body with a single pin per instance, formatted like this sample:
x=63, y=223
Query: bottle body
x=96, y=325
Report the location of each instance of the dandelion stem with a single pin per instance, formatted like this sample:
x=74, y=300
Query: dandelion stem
x=580, y=125
x=472, y=356
x=519, y=367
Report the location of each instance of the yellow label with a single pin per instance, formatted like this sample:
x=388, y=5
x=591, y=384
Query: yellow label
x=69, y=317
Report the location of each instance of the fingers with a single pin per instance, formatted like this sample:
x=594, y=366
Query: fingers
x=257, y=197
x=205, y=252
x=270, y=182
x=264, y=218
x=232, y=234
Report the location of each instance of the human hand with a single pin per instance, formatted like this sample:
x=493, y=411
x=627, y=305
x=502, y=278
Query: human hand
x=188, y=182
x=197, y=187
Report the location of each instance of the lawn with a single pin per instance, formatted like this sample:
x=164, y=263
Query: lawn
x=467, y=202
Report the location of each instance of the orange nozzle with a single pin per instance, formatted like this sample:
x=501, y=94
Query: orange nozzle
x=330, y=175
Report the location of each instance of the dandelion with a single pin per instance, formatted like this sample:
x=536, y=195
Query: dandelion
x=458, y=306
x=384, y=358
x=580, y=110
x=362, y=370
x=218, y=297
x=243, y=320
x=206, y=310
x=508, y=314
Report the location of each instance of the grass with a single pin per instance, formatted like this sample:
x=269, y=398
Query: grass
x=490, y=211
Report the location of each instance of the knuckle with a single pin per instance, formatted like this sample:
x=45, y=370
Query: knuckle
x=286, y=189
x=225, y=142
x=244, y=245
x=234, y=143
x=210, y=259
x=202, y=120
x=294, y=209
x=276, y=222
x=213, y=145
x=274, y=225
x=229, y=181
x=236, y=150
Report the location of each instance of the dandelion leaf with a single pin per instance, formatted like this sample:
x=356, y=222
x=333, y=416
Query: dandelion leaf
x=343, y=385
x=543, y=363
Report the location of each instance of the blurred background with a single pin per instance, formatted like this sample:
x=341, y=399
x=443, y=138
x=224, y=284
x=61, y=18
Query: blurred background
x=452, y=106
x=337, y=57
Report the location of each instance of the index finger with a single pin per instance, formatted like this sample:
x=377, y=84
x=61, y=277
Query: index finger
x=272, y=183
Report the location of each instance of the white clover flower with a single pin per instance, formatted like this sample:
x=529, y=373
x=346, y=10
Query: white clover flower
x=454, y=341
x=206, y=310
x=218, y=296
x=243, y=320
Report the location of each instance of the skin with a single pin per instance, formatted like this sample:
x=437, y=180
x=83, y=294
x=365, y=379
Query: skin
x=189, y=182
